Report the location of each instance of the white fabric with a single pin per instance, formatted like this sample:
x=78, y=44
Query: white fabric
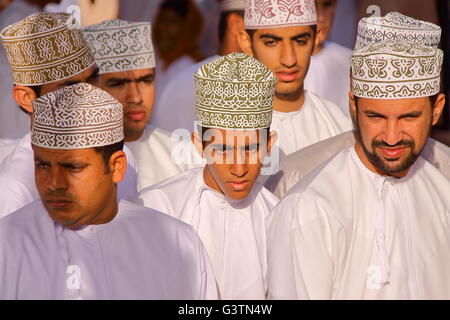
x=233, y=232
x=176, y=103
x=18, y=186
x=6, y=147
x=14, y=123
x=298, y=164
x=328, y=237
x=140, y=254
x=329, y=75
x=317, y=120
x=164, y=76
x=153, y=154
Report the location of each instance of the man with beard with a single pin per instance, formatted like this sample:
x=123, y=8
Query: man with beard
x=124, y=52
x=370, y=30
x=78, y=241
x=372, y=223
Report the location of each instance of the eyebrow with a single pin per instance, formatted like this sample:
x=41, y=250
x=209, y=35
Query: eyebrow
x=125, y=80
x=405, y=115
x=278, y=38
x=37, y=159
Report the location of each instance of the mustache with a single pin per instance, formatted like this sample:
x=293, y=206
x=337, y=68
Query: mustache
x=401, y=143
x=59, y=195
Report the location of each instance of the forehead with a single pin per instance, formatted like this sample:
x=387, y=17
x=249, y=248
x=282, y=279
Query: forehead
x=233, y=136
x=129, y=74
x=65, y=155
x=394, y=106
x=284, y=31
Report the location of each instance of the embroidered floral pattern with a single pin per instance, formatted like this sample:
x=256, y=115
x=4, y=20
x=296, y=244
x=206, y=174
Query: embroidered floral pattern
x=120, y=45
x=278, y=13
x=396, y=69
x=395, y=26
x=42, y=48
x=234, y=92
x=77, y=117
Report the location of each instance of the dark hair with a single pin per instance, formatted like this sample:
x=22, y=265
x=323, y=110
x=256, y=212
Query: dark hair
x=180, y=7
x=37, y=90
x=223, y=22
x=251, y=32
x=107, y=151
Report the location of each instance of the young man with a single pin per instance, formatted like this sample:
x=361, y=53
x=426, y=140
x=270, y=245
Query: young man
x=221, y=200
x=77, y=241
x=124, y=52
x=284, y=41
x=372, y=223
x=176, y=106
x=370, y=30
x=328, y=74
x=46, y=53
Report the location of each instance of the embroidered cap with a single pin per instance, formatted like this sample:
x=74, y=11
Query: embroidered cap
x=44, y=48
x=396, y=26
x=77, y=117
x=396, y=69
x=119, y=45
x=235, y=91
x=265, y=14
x=232, y=5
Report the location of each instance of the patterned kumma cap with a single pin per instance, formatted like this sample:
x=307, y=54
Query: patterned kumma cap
x=396, y=69
x=44, y=48
x=235, y=91
x=266, y=14
x=396, y=26
x=119, y=45
x=80, y=116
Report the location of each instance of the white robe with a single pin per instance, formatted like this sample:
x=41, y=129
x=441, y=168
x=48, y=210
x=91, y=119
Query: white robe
x=6, y=147
x=140, y=254
x=157, y=158
x=344, y=232
x=18, y=186
x=233, y=232
x=329, y=75
x=298, y=164
x=175, y=107
x=317, y=120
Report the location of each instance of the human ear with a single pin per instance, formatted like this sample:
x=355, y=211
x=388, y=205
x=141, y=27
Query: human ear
x=245, y=42
x=24, y=97
x=118, y=166
x=438, y=108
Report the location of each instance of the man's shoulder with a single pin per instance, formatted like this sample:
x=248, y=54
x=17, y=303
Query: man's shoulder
x=182, y=182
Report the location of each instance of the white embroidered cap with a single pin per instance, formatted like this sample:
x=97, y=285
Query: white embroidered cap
x=266, y=14
x=232, y=5
x=396, y=26
x=235, y=91
x=44, y=48
x=119, y=45
x=396, y=69
x=77, y=117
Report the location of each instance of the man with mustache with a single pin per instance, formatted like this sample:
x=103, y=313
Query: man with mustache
x=77, y=241
x=222, y=200
x=45, y=52
x=372, y=222
x=393, y=25
x=282, y=35
x=124, y=52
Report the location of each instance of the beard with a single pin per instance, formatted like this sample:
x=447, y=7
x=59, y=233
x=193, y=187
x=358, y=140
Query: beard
x=389, y=166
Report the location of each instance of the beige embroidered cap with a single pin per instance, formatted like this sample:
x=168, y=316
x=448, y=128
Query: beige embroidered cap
x=44, y=48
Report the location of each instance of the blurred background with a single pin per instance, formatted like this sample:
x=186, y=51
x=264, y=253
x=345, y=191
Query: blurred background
x=186, y=32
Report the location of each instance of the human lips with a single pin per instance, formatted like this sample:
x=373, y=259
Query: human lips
x=239, y=185
x=392, y=153
x=287, y=76
x=59, y=203
x=135, y=115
